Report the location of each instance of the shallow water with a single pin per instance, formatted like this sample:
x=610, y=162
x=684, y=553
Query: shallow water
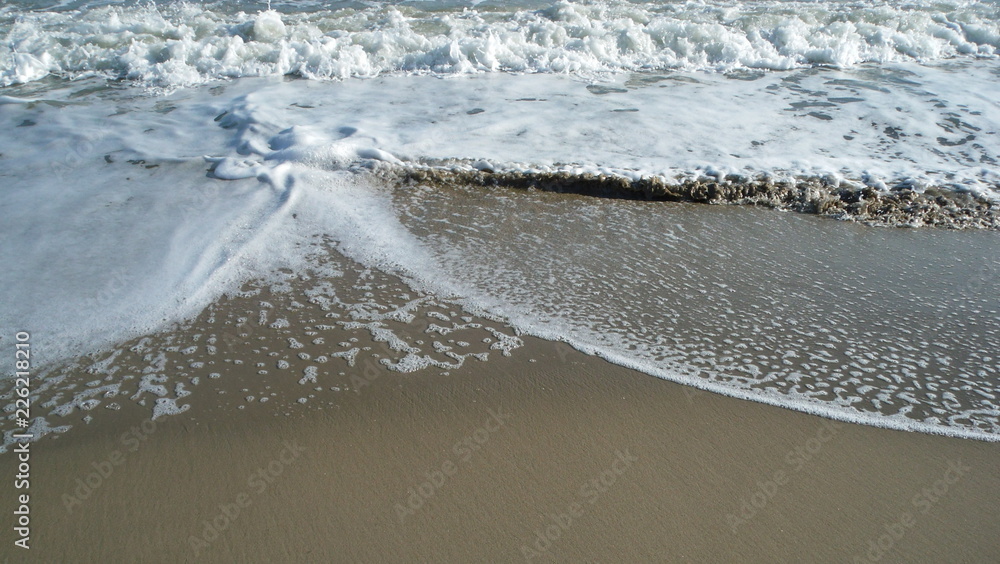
x=857, y=322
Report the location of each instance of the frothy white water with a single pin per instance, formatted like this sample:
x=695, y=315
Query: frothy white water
x=720, y=302
x=123, y=215
x=183, y=44
x=877, y=126
x=883, y=327
x=129, y=212
x=118, y=219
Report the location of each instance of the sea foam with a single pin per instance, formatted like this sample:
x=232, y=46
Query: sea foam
x=183, y=44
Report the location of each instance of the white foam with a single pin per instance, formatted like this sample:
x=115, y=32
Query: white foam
x=124, y=229
x=902, y=123
x=168, y=406
x=39, y=428
x=121, y=228
x=183, y=44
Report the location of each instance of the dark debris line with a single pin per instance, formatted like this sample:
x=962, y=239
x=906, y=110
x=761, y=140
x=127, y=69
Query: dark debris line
x=901, y=206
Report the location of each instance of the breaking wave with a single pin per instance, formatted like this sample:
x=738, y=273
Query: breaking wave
x=183, y=44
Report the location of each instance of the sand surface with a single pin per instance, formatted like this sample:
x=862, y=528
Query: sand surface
x=485, y=462
x=504, y=449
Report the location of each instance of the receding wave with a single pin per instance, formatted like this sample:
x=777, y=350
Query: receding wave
x=181, y=44
x=179, y=199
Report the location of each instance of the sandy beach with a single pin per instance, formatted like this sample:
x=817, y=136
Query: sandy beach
x=546, y=455
x=291, y=422
x=462, y=281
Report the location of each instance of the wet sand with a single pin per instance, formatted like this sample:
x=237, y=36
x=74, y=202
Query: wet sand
x=544, y=456
x=498, y=448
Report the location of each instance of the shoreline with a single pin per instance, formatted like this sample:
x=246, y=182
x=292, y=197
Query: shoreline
x=484, y=460
x=342, y=416
x=446, y=283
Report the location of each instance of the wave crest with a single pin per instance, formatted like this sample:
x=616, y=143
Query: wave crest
x=185, y=44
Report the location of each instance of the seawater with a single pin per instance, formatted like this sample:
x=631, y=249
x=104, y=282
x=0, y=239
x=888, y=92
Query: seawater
x=158, y=156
